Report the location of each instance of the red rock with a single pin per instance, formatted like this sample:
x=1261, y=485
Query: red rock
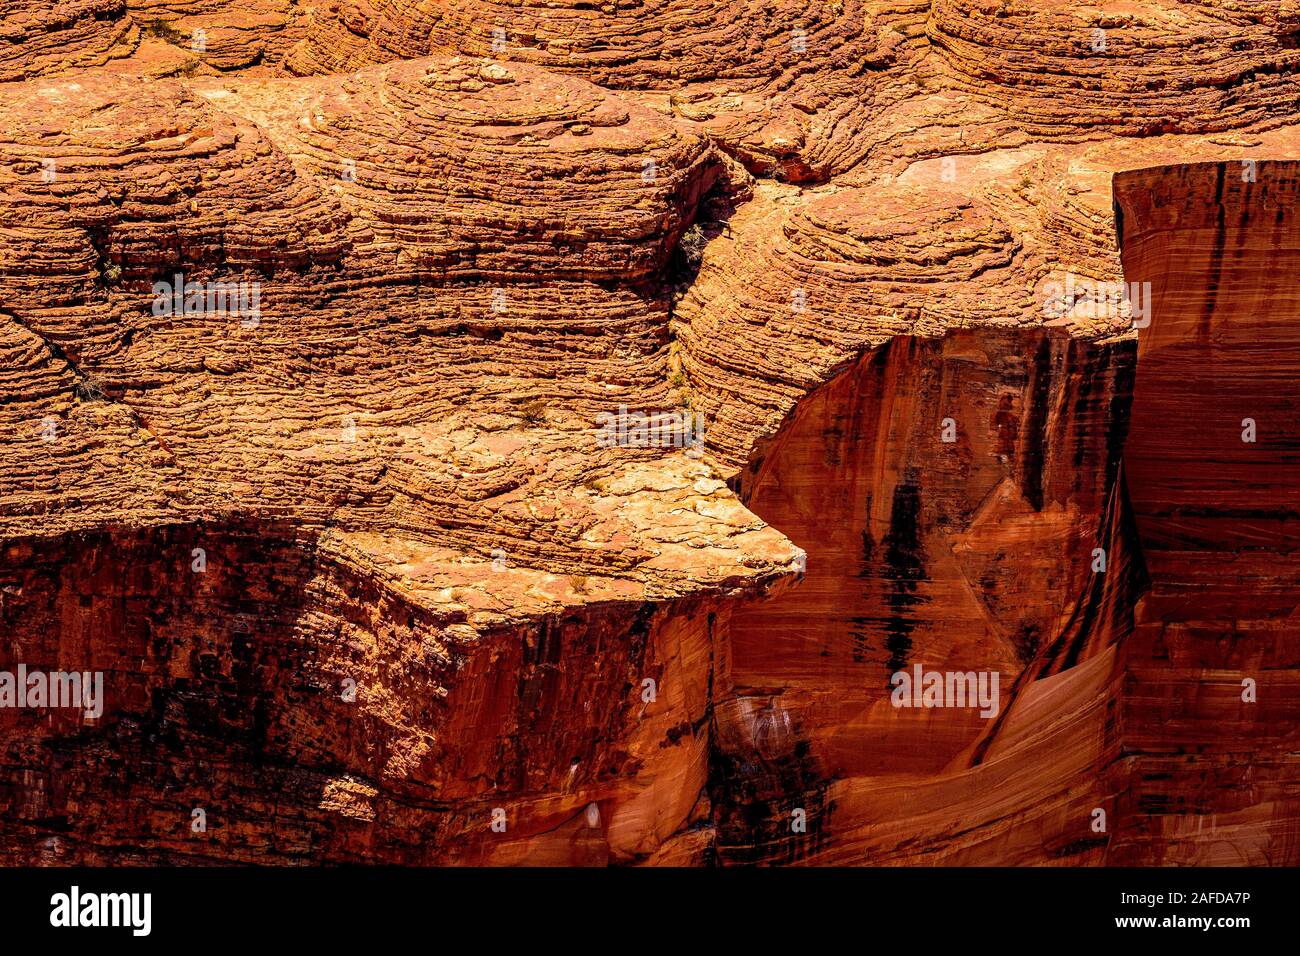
x=366, y=585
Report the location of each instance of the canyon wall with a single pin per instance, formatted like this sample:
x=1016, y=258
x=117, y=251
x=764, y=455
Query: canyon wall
x=387, y=459
x=1156, y=725
x=1211, y=710
x=287, y=703
x=310, y=316
x=962, y=555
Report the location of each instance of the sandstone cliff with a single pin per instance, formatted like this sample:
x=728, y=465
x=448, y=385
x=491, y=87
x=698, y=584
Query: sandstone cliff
x=366, y=583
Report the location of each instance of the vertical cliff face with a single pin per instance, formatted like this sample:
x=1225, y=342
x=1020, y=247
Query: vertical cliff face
x=1157, y=721
x=313, y=709
x=947, y=493
x=1211, y=709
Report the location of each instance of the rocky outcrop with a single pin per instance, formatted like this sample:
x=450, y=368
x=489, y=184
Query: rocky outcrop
x=1061, y=68
x=331, y=278
x=787, y=87
x=47, y=38
x=335, y=489
x=804, y=93
x=301, y=699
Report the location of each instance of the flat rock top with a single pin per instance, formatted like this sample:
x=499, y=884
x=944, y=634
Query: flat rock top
x=379, y=270
x=391, y=304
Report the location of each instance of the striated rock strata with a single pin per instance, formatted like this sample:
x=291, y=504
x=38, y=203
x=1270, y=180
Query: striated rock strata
x=314, y=319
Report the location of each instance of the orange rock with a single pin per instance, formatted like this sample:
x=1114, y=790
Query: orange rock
x=354, y=360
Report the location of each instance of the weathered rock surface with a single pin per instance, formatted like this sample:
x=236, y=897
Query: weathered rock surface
x=42, y=38
x=340, y=413
x=1168, y=700
x=804, y=92
x=337, y=523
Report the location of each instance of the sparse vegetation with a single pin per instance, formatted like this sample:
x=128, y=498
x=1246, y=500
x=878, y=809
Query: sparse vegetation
x=691, y=246
x=90, y=390
x=165, y=31
x=534, y=413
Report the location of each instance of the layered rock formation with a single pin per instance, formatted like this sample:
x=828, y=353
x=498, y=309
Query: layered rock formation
x=1210, y=708
x=335, y=407
x=317, y=321
x=47, y=37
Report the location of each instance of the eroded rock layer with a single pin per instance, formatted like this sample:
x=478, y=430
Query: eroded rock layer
x=1157, y=726
x=384, y=387
x=1211, y=709
x=41, y=38
x=803, y=92
x=383, y=727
